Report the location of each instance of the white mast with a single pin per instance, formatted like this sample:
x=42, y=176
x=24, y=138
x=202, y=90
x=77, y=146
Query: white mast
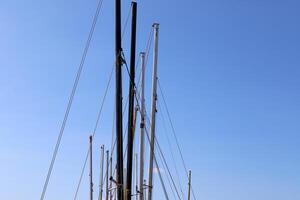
x=153, y=109
x=136, y=174
x=91, y=167
x=101, y=172
x=110, y=177
x=107, y=166
x=142, y=136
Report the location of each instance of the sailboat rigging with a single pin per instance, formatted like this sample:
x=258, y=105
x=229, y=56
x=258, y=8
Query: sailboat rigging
x=119, y=182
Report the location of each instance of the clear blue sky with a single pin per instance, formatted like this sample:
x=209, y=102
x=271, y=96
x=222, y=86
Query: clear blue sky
x=229, y=69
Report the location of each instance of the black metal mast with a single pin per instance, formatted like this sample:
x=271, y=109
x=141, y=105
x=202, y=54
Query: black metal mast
x=119, y=128
x=131, y=103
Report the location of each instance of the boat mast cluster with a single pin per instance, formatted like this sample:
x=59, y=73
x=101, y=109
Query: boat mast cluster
x=115, y=186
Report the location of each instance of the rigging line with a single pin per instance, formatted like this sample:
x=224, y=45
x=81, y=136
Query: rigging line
x=149, y=45
x=168, y=170
x=126, y=22
x=71, y=98
x=87, y=156
x=98, y=117
x=170, y=147
x=174, y=133
x=157, y=167
x=124, y=134
x=168, y=178
x=147, y=49
x=165, y=162
x=160, y=152
x=148, y=120
x=94, y=131
x=113, y=131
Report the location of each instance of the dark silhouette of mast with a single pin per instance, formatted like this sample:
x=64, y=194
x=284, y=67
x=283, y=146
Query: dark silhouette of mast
x=131, y=104
x=119, y=126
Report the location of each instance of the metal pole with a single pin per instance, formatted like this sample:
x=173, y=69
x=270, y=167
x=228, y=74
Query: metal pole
x=91, y=167
x=119, y=125
x=190, y=183
x=107, y=166
x=142, y=126
x=131, y=104
x=153, y=109
x=136, y=175
x=101, y=172
x=110, y=177
x=144, y=193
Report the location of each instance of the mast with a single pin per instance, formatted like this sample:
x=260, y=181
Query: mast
x=91, y=167
x=131, y=104
x=136, y=175
x=142, y=140
x=119, y=125
x=110, y=178
x=153, y=109
x=101, y=173
x=106, y=175
x=190, y=183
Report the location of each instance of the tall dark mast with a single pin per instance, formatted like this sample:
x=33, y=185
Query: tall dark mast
x=131, y=103
x=119, y=128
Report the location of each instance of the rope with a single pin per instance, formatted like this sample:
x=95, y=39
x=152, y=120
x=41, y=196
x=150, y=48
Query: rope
x=94, y=132
x=162, y=157
x=164, y=161
x=71, y=99
x=157, y=166
x=170, y=148
x=174, y=133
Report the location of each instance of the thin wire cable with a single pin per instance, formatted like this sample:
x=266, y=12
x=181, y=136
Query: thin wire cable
x=157, y=166
x=94, y=132
x=95, y=19
x=168, y=178
x=174, y=133
x=165, y=162
x=147, y=49
x=170, y=148
x=160, y=152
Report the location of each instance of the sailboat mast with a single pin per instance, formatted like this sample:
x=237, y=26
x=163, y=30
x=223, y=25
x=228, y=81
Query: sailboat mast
x=101, y=172
x=131, y=103
x=136, y=175
x=110, y=178
x=190, y=182
x=142, y=140
x=106, y=174
x=91, y=167
x=153, y=109
x=119, y=125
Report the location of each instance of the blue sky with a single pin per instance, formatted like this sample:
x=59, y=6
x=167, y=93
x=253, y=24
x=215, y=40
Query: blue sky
x=229, y=70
